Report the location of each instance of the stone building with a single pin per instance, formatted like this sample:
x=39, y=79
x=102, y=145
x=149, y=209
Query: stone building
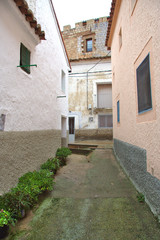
x=90, y=84
x=133, y=36
x=33, y=77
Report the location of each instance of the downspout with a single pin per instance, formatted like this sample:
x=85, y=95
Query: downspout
x=88, y=72
x=87, y=79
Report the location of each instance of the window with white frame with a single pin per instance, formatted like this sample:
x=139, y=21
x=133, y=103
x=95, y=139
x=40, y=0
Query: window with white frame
x=63, y=81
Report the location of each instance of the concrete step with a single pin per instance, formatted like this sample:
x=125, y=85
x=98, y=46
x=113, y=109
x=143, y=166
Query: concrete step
x=82, y=146
x=81, y=151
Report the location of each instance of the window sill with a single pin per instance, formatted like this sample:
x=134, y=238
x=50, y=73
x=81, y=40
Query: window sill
x=23, y=72
x=103, y=110
x=144, y=111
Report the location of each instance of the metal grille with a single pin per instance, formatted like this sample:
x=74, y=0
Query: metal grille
x=144, y=86
x=105, y=121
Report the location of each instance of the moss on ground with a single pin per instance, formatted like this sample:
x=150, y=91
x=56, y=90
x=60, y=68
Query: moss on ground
x=102, y=206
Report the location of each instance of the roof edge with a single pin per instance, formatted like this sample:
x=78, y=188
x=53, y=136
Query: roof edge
x=115, y=6
x=60, y=33
x=24, y=9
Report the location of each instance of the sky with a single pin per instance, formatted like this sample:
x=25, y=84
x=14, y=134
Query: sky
x=70, y=12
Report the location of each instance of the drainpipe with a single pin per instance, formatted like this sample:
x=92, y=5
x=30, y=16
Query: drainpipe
x=87, y=79
x=88, y=72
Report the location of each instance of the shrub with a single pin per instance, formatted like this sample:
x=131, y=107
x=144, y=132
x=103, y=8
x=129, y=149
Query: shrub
x=62, y=153
x=38, y=181
x=141, y=197
x=26, y=193
x=5, y=218
x=52, y=164
x=12, y=203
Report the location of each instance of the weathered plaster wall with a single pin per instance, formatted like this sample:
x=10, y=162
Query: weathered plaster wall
x=83, y=88
x=78, y=91
x=140, y=35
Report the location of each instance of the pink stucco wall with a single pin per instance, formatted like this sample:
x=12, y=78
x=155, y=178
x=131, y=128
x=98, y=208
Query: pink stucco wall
x=140, y=36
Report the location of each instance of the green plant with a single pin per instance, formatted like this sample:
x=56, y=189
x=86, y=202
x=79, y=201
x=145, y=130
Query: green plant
x=5, y=218
x=27, y=191
x=141, y=197
x=14, y=203
x=52, y=164
x=62, y=154
x=38, y=181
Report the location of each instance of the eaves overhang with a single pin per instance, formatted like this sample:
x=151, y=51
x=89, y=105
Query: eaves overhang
x=29, y=17
x=112, y=19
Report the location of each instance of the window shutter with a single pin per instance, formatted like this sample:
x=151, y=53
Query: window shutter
x=105, y=121
x=25, y=58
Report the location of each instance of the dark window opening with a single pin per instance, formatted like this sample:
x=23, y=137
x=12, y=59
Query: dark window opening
x=25, y=58
x=84, y=23
x=71, y=125
x=144, y=86
x=118, y=112
x=89, y=45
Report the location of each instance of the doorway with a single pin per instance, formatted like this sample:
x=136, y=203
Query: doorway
x=71, y=129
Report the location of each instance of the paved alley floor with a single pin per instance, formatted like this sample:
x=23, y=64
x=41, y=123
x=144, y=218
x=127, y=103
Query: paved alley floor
x=92, y=200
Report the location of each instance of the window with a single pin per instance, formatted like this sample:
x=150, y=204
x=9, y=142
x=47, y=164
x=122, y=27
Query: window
x=144, y=86
x=104, y=96
x=105, y=121
x=84, y=23
x=63, y=82
x=118, y=112
x=25, y=58
x=89, y=45
x=120, y=38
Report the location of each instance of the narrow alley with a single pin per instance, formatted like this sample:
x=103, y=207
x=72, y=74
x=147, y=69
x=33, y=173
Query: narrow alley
x=92, y=200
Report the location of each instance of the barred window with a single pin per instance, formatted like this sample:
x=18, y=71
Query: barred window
x=144, y=86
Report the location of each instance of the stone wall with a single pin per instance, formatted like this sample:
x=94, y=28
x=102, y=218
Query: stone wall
x=75, y=39
x=100, y=134
x=21, y=152
x=133, y=160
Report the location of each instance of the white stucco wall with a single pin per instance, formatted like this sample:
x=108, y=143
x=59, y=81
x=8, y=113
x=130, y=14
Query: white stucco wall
x=30, y=101
x=78, y=90
x=140, y=36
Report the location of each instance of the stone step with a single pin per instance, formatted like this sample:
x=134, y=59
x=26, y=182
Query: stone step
x=81, y=151
x=82, y=146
